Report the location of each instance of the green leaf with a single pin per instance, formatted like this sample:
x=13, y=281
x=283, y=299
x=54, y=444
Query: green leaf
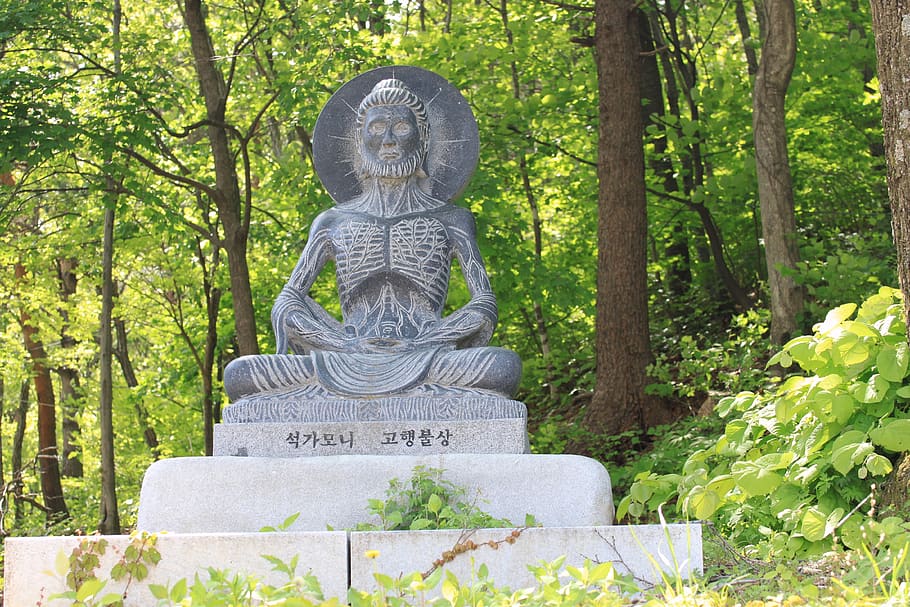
x=813, y=524
x=845, y=456
x=754, y=479
x=159, y=592
x=843, y=406
x=434, y=504
x=89, y=588
x=111, y=598
x=878, y=465
x=641, y=492
x=893, y=435
x=892, y=361
x=816, y=525
x=61, y=563
x=835, y=317
x=419, y=524
x=872, y=391
x=702, y=503
x=178, y=592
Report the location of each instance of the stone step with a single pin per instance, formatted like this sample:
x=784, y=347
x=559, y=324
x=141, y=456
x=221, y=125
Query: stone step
x=647, y=552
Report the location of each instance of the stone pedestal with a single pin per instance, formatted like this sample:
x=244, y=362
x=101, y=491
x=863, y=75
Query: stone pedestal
x=414, y=437
x=238, y=494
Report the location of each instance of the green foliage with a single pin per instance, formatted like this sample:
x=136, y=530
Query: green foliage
x=555, y=586
x=798, y=462
x=81, y=570
x=222, y=588
x=845, y=268
x=429, y=501
x=687, y=367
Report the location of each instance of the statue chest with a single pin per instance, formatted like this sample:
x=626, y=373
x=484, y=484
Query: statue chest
x=418, y=247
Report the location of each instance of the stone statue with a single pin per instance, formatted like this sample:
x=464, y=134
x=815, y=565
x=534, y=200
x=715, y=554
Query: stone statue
x=393, y=245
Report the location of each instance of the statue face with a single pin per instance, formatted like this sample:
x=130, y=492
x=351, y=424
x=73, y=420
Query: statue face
x=391, y=141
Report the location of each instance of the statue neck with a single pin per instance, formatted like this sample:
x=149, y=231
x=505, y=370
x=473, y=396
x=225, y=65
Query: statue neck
x=392, y=196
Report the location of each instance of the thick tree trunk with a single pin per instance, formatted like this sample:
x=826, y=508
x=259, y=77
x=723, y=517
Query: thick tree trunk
x=891, y=23
x=775, y=188
x=622, y=340
x=233, y=213
x=49, y=465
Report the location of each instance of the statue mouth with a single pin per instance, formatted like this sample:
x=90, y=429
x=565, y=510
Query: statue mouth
x=389, y=155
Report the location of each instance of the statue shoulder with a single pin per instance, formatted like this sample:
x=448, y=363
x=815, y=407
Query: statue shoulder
x=457, y=217
x=327, y=220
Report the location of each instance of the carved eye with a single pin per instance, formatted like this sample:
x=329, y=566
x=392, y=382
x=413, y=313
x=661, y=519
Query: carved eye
x=377, y=127
x=402, y=128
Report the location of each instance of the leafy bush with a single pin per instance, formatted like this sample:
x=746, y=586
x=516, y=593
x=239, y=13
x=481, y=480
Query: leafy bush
x=690, y=367
x=845, y=268
x=795, y=466
x=428, y=501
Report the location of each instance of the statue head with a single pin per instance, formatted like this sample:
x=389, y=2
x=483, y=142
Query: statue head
x=392, y=131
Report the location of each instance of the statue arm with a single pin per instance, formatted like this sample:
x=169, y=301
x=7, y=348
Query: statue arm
x=299, y=322
x=471, y=325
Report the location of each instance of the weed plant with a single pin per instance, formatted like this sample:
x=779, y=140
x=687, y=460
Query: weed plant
x=793, y=473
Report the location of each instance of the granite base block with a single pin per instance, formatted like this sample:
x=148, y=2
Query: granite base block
x=31, y=578
x=285, y=407
x=648, y=552
x=291, y=439
x=338, y=559
x=244, y=494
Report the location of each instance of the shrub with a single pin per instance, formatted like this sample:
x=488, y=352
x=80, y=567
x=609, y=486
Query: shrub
x=795, y=466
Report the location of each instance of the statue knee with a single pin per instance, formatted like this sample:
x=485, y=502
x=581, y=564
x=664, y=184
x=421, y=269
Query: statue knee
x=508, y=370
x=237, y=378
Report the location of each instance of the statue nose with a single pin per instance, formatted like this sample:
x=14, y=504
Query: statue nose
x=388, y=138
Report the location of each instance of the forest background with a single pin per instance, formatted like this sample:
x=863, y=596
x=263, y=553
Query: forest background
x=156, y=174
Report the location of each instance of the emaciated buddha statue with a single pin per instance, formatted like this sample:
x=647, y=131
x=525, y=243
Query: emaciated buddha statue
x=393, y=245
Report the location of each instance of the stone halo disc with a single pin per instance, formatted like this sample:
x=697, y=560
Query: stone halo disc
x=453, y=147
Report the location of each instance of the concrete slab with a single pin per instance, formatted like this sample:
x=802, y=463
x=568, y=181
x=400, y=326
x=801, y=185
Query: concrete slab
x=31, y=578
x=295, y=439
x=240, y=494
x=645, y=551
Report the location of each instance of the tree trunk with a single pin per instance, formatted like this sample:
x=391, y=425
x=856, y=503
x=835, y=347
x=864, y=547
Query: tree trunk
x=109, y=522
x=622, y=341
x=110, y=517
x=2, y=407
x=677, y=260
x=121, y=351
x=693, y=169
x=70, y=403
x=742, y=21
x=16, y=454
x=49, y=465
x=775, y=189
x=891, y=24
x=213, y=303
x=233, y=213
x=540, y=321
